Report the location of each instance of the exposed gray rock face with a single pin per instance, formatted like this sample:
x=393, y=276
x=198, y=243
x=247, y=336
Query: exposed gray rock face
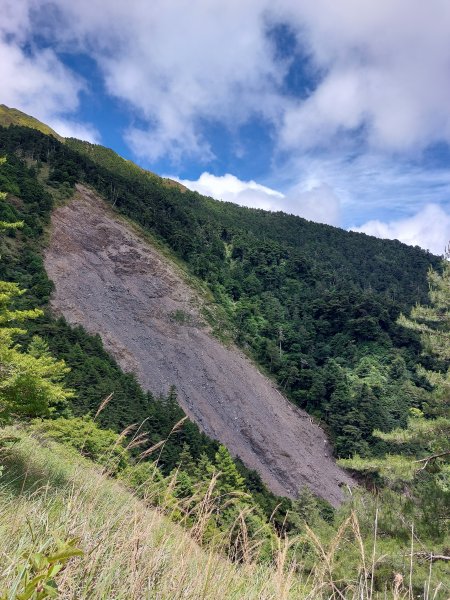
x=113, y=283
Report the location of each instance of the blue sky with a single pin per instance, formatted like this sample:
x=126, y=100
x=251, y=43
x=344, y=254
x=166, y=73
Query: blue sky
x=335, y=111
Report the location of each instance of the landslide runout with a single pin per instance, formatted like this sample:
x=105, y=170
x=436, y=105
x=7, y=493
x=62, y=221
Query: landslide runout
x=115, y=284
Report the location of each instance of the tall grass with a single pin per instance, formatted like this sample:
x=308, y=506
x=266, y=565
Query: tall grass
x=132, y=551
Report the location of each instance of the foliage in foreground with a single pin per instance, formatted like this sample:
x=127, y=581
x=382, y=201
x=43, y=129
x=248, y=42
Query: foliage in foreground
x=132, y=551
x=37, y=575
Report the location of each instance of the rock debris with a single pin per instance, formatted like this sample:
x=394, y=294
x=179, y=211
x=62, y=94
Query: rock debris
x=115, y=284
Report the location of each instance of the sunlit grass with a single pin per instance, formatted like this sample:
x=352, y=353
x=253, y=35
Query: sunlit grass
x=133, y=551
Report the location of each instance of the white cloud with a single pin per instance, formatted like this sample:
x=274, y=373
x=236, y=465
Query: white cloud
x=176, y=65
x=69, y=128
x=384, y=69
x=381, y=67
x=428, y=228
x=37, y=83
x=34, y=79
x=318, y=202
x=313, y=201
x=231, y=189
x=152, y=144
x=371, y=186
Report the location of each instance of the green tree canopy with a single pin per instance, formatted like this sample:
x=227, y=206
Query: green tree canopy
x=31, y=380
x=423, y=467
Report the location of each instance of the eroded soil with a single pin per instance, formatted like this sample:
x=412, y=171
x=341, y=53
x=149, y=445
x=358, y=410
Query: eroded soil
x=115, y=284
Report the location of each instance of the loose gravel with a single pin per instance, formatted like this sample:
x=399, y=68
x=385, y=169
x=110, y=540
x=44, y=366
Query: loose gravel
x=112, y=282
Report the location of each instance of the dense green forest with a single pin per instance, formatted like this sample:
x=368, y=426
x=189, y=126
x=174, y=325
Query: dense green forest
x=93, y=373
x=318, y=308
x=315, y=306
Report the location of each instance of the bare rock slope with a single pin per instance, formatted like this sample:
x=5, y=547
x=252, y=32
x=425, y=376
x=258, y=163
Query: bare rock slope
x=113, y=283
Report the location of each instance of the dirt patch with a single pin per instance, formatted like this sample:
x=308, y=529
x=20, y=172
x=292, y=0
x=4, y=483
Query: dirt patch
x=111, y=282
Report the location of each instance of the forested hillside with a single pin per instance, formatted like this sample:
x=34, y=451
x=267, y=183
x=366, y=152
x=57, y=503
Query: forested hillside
x=93, y=374
x=316, y=307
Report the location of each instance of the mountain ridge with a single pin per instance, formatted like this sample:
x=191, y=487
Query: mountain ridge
x=310, y=303
x=14, y=116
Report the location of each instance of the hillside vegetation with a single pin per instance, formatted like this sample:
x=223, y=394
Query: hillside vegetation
x=128, y=549
x=13, y=116
x=165, y=512
x=314, y=305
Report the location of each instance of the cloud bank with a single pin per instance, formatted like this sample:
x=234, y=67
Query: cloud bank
x=374, y=82
x=429, y=228
x=378, y=70
x=315, y=203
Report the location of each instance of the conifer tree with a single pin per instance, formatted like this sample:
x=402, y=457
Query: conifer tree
x=230, y=479
x=31, y=381
x=426, y=439
x=186, y=462
x=304, y=509
x=433, y=324
x=204, y=469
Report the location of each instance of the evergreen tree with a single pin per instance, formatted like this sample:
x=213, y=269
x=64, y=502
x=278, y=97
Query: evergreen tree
x=229, y=480
x=204, y=469
x=186, y=462
x=424, y=468
x=304, y=509
x=31, y=382
x=433, y=324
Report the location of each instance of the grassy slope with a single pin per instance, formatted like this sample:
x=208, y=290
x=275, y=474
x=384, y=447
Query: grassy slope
x=130, y=551
x=13, y=116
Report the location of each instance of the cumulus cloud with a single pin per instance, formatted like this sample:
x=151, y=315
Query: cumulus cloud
x=384, y=72
x=69, y=128
x=313, y=201
x=379, y=68
x=231, y=189
x=37, y=83
x=376, y=84
x=35, y=80
x=428, y=228
x=176, y=65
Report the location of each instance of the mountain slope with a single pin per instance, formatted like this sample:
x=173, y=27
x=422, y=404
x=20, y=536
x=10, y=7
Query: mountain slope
x=130, y=549
x=13, y=116
x=316, y=306
x=112, y=283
